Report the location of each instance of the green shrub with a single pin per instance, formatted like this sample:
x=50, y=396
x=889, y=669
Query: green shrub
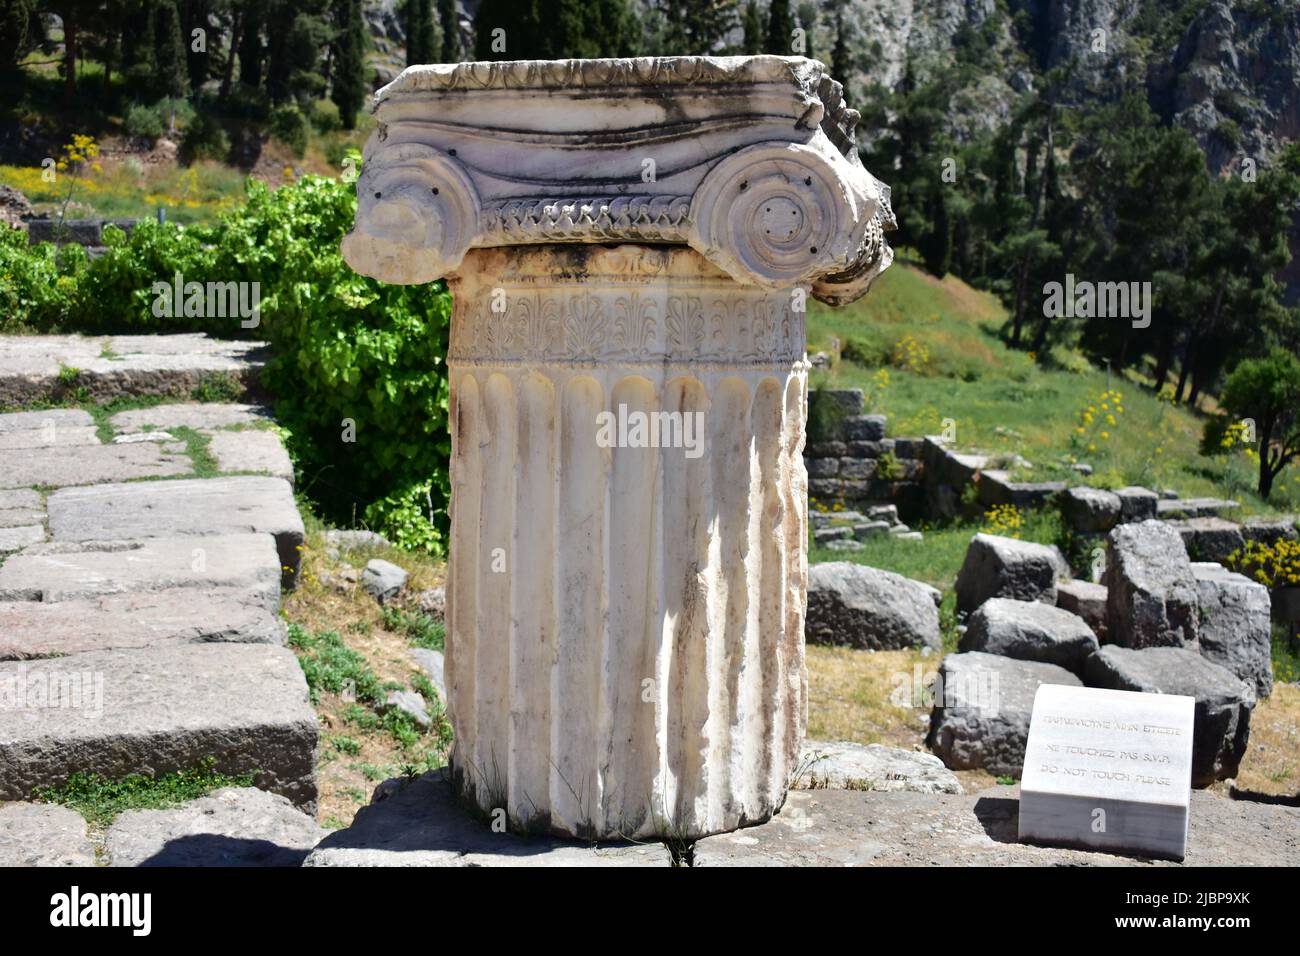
x=290, y=127
x=144, y=122
x=205, y=139
x=325, y=116
x=357, y=367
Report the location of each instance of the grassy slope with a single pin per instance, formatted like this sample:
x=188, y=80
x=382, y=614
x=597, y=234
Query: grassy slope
x=1004, y=401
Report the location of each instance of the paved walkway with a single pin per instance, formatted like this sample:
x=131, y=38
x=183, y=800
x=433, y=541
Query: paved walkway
x=139, y=630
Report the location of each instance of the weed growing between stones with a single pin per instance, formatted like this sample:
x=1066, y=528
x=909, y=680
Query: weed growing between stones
x=100, y=799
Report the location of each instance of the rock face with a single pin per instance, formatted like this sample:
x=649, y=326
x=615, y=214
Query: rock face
x=234, y=826
x=1151, y=594
x=983, y=704
x=1085, y=599
x=42, y=834
x=856, y=606
x=1090, y=510
x=115, y=713
x=844, y=765
x=1005, y=567
x=1030, y=631
x=1223, y=701
x=1235, y=628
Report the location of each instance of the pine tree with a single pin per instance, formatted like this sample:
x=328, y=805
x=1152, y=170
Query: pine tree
x=14, y=18
x=449, y=21
x=349, y=70
x=170, y=74
x=420, y=33
x=753, y=25
x=780, y=28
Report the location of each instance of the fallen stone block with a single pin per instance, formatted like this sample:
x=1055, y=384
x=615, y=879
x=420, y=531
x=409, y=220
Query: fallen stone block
x=1030, y=631
x=980, y=719
x=844, y=765
x=116, y=713
x=33, y=629
x=1087, y=600
x=1235, y=628
x=233, y=826
x=1223, y=701
x=1168, y=508
x=857, y=606
x=432, y=664
x=1136, y=504
x=211, y=506
x=1210, y=539
x=1151, y=598
x=1090, y=510
x=1269, y=531
x=65, y=572
x=1006, y=567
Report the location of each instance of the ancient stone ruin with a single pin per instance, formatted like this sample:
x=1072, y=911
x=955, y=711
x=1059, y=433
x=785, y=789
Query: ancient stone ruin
x=630, y=244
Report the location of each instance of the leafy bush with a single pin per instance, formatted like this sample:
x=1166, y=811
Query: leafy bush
x=325, y=116
x=357, y=367
x=144, y=122
x=290, y=127
x=205, y=139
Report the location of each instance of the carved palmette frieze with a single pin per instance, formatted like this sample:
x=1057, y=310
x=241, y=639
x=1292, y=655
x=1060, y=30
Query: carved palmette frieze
x=622, y=309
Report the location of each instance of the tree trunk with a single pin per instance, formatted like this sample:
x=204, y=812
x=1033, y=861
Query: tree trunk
x=228, y=78
x=68, y=14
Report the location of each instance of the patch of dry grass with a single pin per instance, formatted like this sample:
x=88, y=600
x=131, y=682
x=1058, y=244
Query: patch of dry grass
x=358, y=749
x=849, y=698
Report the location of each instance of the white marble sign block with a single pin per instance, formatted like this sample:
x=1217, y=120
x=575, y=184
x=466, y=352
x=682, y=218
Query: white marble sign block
x=1108, y=770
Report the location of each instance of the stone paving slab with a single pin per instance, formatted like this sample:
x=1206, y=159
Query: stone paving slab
x=251, y=450
x=61, y=466
x=420, y=824
x=234, y=826
x=33, y=629
x=191, y=507
x=20, y=517
x=199, y=415
x=64, y=572
x=244, y=705
x=42, y=834
x=77, y=435
x=852, y=828
x=120, y=365
x=20, y=536
x=46, y=418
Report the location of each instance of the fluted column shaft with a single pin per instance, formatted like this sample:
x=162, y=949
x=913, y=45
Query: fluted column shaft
x=625, y=622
